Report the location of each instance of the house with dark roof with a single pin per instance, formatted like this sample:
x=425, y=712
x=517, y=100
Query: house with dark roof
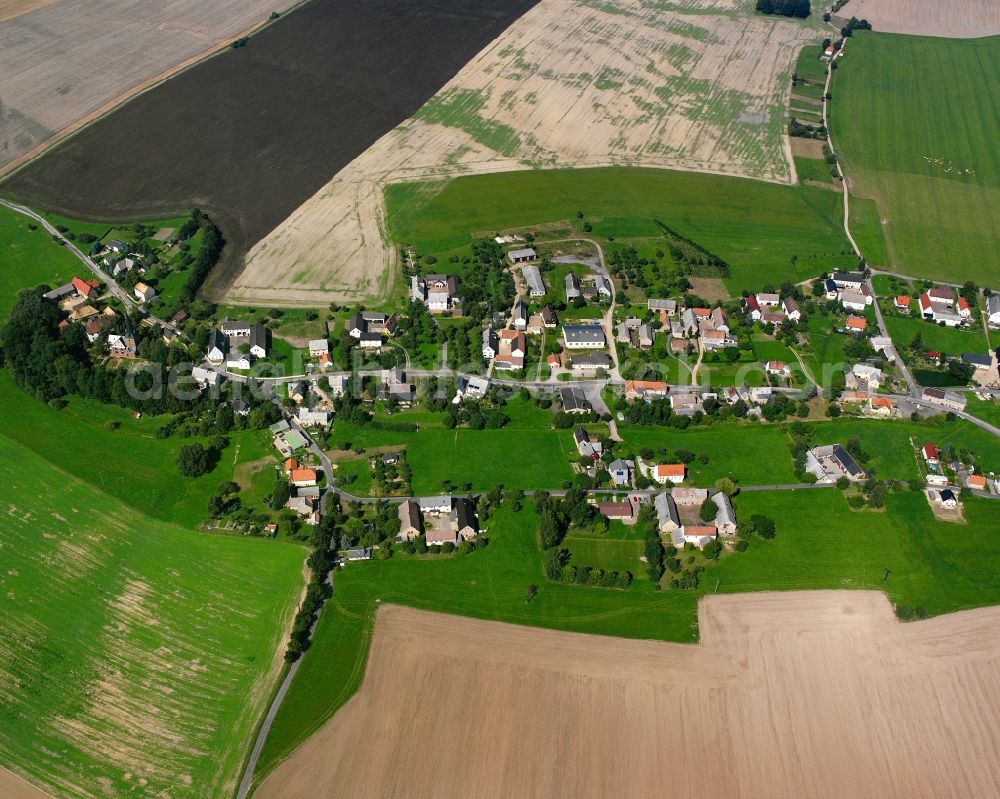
x=466, y=522
x=410, y=521
x=831, y=462
x=574, y=400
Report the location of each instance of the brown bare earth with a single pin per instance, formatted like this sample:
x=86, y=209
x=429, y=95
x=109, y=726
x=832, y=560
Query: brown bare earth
x=15, y=8
x=698, y=85
x=65, y=61
x=807, y=148
x=957, y=19
x=813, y=694
x=13, y=787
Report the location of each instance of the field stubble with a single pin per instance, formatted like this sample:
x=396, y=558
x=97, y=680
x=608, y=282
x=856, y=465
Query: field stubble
x=968, y=19
x=840, y=687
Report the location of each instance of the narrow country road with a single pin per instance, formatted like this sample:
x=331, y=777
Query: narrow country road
x=117, y=291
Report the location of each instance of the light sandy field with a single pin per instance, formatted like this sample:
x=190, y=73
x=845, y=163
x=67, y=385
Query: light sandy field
x=813, y=694
x=694, y=84
x=65, y=61
x=13, y=787
x=961, y=19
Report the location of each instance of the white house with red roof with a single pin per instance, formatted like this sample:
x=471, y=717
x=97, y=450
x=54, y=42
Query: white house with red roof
x=752, y=307
x=669, y=473
x=930, y=453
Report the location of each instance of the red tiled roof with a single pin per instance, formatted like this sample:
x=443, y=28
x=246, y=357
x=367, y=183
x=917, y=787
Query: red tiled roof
x=902, y=300
x=83, y=288
x=856, y=323
x=930, y=451
x=670, y=470
x=301, y=475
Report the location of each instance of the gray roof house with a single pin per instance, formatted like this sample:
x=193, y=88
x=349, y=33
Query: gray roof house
x=409, y=520
x=439, y=504
x=591, y=361
x=667, y=518
x=725, y=517
x=574, y=400
x=670, y=306
x=572, y=287
x=621, y=471
x=536, y=286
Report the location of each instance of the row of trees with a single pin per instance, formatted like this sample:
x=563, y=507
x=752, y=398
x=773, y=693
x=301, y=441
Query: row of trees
x=785, y=8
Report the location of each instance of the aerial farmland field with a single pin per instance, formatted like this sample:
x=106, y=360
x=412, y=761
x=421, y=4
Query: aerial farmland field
x=252, y=133
x=914, y=120
x=969, y=19
x=136, y=657
x=930, y=566
x=699, y=85
x=91, y=55
x=756, y=227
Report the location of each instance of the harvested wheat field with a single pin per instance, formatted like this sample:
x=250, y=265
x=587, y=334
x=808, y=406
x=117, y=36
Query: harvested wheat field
x=696, y=84
x=813, y=694
x=960, y=19
x=65, y=60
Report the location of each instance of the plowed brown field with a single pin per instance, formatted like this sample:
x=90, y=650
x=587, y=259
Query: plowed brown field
x=813, y=694
x=960, y=19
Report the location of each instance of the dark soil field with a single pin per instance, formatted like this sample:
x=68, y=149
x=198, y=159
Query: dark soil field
x=252, y=133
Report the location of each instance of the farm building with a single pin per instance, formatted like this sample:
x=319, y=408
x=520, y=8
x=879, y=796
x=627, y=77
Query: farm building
x=536, y=286
x=523, y=255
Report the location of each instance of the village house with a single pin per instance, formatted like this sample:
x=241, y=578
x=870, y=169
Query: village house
x=848, y=280
x=978, y=361
x=778, y=369
x=512, y=347
x=121, y=346
x=620, y=470
x=622, y=511
x=685, y=404
x=581, y=337
x=438, y=292
x=491, y=343
x=938, y=310
x=871, y=375
x=218, y=347
x=725, y=516
x=549, y=317
x=963, y=309
x=302, y=477
x=591, y=362
x=948, y=399
x=645, y=390
x=144, y=293
x=772, y=318
x=574, y=400
x=881, y=406
x=791, y=309
x=930, y=454
x=464, y=519
x=698, y=534
x=901, y=302
x=669, y=473
x=993, y=310
x=662, y=306
x=410, y=521
x=831, y=462
x=976, y=482
x=319, y=347
x=667, y=517
x=584, y=445
x=519, y=314
x=856, y=324
x=853, y=300
x=945, y=498
x=309, y=417
x=435, y=506
x=712, y=339
x=206, y=378
x=768, y=299
x=572, y=287
x=752, y=307
x=240, y=407
x=689, y=497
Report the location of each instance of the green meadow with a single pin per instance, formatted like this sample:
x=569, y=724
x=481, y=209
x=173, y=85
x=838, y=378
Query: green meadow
x=821, y=543
x=129, y=462
x=756, y=227
x=914, y=121
x=949, y=340
x=136, y=657
x=30, y=257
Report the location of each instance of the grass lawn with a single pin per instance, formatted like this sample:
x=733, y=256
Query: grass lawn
x=821, y=543
x=813, y=169
x=525, y=454
x=950, y=340
x=138, y=649
x=809, y=65
x=755, y=454
x=767, y=349
x=129, y=463
x=988, y=411
x=757, y=227
x=607, y=554
x=921, y=142
x=30, y=257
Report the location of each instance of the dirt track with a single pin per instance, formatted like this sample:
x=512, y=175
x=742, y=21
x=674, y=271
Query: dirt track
x=959, y=19
x=698, y=85
x=813, y=694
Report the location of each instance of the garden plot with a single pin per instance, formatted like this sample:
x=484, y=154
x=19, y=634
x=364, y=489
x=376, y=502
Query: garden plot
x=696, y=85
